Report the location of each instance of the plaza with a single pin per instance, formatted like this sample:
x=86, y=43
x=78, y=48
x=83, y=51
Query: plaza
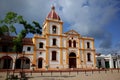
x=109, y=74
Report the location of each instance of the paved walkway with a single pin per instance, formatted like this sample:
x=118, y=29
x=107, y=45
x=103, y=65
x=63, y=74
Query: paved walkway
x=70, y=75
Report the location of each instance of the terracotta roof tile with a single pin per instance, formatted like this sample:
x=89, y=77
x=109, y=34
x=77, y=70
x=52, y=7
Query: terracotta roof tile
x=9, y=39
x=53, y=14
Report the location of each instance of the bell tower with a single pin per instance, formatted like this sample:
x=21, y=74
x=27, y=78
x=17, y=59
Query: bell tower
x=53, y=23
x=52, y=31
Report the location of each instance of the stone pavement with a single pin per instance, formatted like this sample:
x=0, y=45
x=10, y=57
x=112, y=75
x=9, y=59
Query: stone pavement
x=70, y=75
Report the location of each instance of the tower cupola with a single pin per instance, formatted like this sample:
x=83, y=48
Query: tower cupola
x=53, y=14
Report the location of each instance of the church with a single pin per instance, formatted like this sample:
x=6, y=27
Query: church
x=53, y=49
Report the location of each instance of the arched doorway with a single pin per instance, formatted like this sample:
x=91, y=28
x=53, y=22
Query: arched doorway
x=40, y=60
x=72, y=60
x=6, y=62
x=22, y=62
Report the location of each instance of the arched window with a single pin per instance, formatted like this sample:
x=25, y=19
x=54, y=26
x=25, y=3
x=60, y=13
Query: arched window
x=40, y=45
x=6, y=62
x=22, y=62
x=28, y=48
x=54, y=29
x=54, y=42
x=88, y=44
x=74, y=43
x=88, y=57
x=70, y=43
x=54, y=56
x=72, y=55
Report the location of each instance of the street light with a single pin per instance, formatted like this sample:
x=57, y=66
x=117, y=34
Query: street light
x=23, y=53
x=33, y=67
x=22, y=72
x=7, y=65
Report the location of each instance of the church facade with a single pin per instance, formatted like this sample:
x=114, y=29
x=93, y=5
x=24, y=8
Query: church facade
x=53, y=49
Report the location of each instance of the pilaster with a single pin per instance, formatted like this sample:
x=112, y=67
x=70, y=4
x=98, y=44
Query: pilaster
x=47, y=42
x=78, y=60
x=61, y=54
x=84, y=55
x=34, y=53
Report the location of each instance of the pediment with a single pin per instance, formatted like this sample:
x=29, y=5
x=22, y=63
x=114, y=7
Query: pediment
x=72, y=32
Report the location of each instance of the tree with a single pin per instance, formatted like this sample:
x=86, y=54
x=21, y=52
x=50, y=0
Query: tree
x=7, y=26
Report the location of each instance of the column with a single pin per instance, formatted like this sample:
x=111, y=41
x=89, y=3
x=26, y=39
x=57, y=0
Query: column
x=84, y=55
x=61, y=54
x=67, y=56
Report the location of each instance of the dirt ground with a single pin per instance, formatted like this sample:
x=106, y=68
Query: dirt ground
x=68, y=75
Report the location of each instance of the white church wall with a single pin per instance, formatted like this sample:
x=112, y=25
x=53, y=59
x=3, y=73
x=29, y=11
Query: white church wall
x=80, y=44
x=85, y=42
x=64, y=42
x=27, y=51
x=90, y=63
x=57, y=25
x=56, y=62
x=57, y=40
x=64, y=56
x=41, y=54
x=43, y=41
x=81, y=56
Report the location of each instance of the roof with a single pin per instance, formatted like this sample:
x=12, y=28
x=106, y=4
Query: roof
x=9, y=40
x=27, y=41
x=72, y=32
x=53, y=14
x=6, y=39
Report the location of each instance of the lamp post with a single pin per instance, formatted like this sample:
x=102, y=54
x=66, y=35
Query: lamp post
x=23, y=60
x=7, y=66
x=33, y=68
x=22, y=72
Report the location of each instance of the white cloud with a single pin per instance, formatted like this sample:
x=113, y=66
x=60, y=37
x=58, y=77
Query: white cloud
x=88, y=14
x=88, y=17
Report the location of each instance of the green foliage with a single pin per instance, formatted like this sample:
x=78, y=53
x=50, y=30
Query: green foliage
x=36, y=28
x=10, y=19
x=12, y=29
x=17, y=45
x=4, y=28
x=7, y=26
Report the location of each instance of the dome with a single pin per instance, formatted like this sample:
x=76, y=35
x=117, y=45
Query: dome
x=53, y=14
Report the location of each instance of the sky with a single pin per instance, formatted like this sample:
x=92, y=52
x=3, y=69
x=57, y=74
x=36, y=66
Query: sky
x=99, y=19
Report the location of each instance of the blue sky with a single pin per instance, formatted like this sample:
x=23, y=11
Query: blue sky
x=99, y=19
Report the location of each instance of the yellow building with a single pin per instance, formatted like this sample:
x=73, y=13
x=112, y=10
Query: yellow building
x=54, y=49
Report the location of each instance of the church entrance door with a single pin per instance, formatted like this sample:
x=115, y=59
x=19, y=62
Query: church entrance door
x=40, y=62
x=72, y=60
